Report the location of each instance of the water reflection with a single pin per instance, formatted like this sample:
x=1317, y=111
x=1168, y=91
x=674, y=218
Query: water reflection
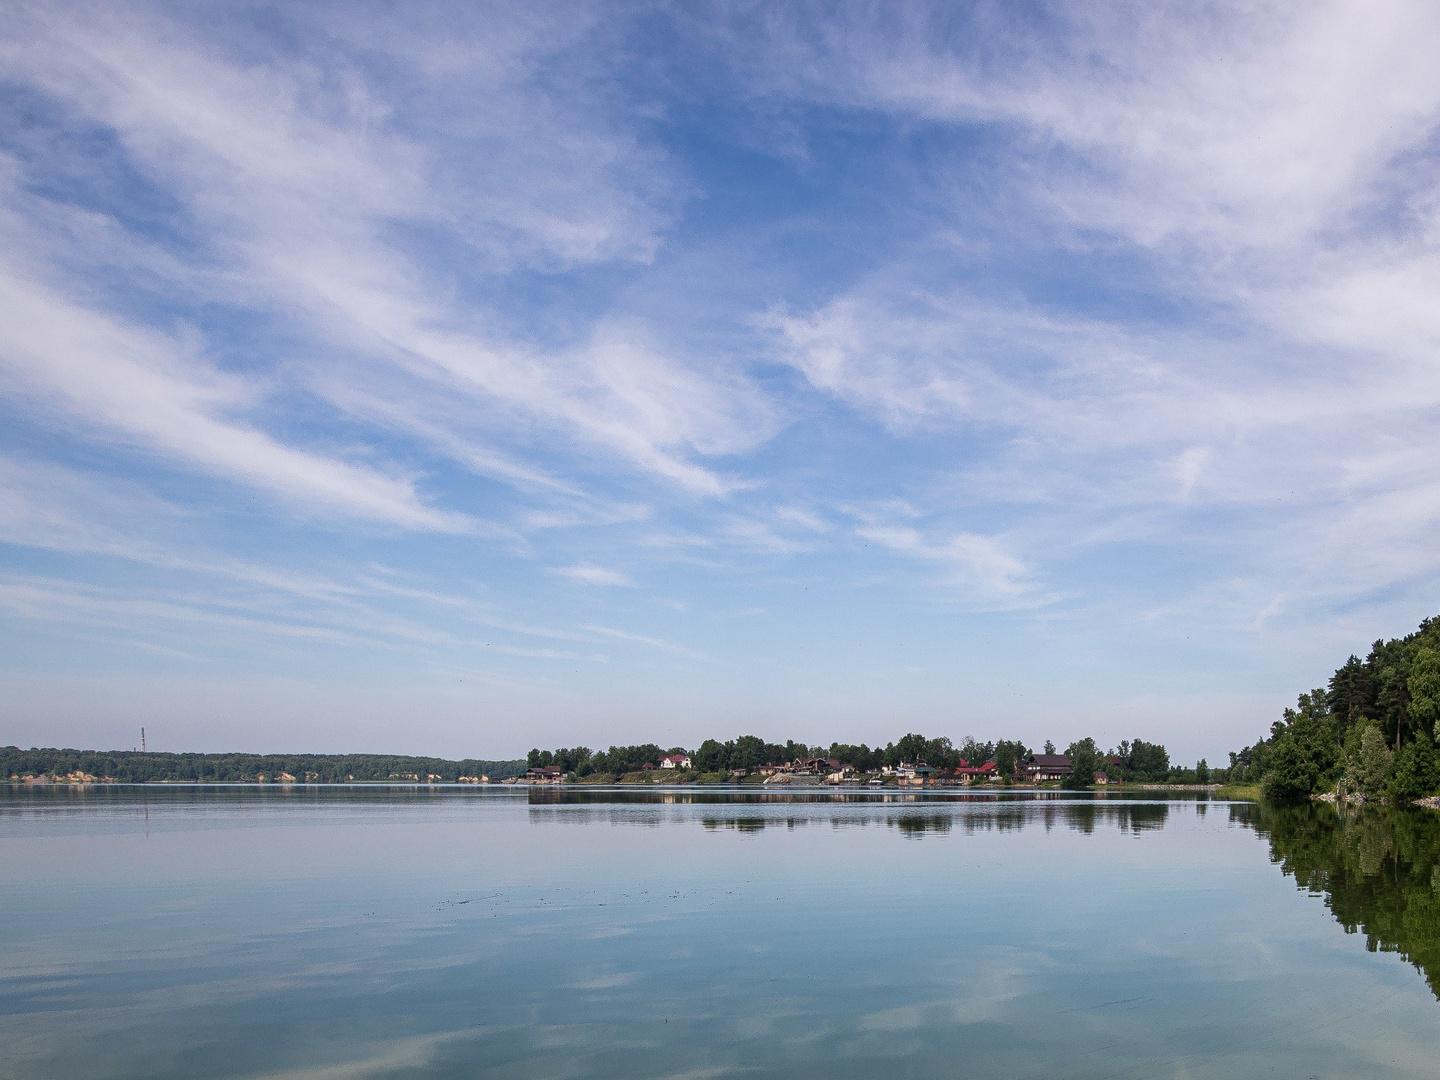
x=1378, y=871
x=563, y=795
x=911, y=814
x=448, y=933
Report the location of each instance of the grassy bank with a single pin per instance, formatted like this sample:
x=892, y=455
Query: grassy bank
x=1248, y=792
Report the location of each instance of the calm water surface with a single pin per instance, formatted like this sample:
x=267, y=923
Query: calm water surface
x=387, y=933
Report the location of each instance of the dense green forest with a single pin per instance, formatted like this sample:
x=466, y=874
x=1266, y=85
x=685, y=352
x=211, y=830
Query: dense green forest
x=135, y=767
x=1369, y=734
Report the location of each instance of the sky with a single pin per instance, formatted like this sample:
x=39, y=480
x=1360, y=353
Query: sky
x=461, y=378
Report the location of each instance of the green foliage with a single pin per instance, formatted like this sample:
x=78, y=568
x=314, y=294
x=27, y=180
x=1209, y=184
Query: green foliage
x=975, y=752
x=1417, y=770
x=1423, y=685
x=1376, y=709
x=859, y=757
x=1293, y=774
x=745, y=754
x=1009, y=754
x=618, y=759
x=1141, y=761
x=1304, y=751
x=576, y=760
x=1085, y=762
x=1353, y=692
x=1249, y=792
x=1368, y=763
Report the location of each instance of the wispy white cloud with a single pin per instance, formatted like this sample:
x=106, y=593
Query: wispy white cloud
x=800, y=517
x=1239, y=126
x=981, y=570
x=647, y=640
x=298, y=178
x=591, y=574
x=354, y=333
x=135, y=384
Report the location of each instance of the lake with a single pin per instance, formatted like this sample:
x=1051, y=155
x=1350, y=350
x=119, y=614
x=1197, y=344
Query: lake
x=321, y=933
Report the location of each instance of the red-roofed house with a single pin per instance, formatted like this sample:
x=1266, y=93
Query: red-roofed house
x=675, y=761
x=971, y=774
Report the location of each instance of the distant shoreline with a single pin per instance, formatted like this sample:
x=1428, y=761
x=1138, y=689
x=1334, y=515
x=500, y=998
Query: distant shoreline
x=663, y=779
x=41, y=766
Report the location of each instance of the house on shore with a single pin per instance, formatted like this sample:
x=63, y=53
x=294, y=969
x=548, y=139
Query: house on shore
x=1046, y=768
x=675, y=761
x=545, y=774
x=966, y=773
x=914, y=774
x=818, y=766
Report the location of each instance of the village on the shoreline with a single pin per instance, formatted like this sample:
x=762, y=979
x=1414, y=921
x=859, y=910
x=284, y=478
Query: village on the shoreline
x=912, y=761
x=678, y=768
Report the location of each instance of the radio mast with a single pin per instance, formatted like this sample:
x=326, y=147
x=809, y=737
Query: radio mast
x=142, y=740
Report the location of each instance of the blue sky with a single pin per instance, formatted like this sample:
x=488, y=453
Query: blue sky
x=458, y=379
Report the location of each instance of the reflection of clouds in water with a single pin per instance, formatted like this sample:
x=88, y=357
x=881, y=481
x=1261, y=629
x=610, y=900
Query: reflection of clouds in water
x=798, y=949
x=377, y=1059
x=187, y=993
x=606, y=982
x=601, y=933
x=899, y=1018
x=994, y=979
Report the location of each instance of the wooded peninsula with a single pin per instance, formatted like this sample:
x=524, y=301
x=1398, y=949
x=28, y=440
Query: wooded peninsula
x=1368, y=735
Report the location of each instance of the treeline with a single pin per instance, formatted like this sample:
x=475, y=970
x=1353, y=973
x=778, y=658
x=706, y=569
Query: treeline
x=1368, y=734
x=136, y=767
x=1136, y=761
x=582, y=761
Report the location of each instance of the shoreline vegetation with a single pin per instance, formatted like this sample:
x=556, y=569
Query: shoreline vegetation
x=913, y=761
x=1367, y=737
x=1241, y=792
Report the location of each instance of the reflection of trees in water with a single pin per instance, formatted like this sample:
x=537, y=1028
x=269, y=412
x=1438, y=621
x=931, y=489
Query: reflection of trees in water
x=918, y=824
x=1134, y=817
x=912, y=813
x=752, y=824
x=1084, y=818
x=1377, y=869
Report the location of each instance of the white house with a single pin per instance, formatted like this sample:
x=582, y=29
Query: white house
x=675, y=761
